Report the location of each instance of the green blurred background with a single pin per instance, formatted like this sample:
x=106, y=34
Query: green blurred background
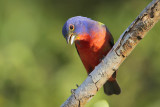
x=38, y=68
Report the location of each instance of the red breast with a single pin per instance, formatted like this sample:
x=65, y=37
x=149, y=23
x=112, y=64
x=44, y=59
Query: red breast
x=93, y=47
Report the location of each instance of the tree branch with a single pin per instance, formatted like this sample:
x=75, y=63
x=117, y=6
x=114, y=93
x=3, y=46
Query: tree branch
x=123, y=47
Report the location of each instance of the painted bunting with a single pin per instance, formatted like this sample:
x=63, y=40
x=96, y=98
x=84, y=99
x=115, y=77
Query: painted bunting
x=93, y=41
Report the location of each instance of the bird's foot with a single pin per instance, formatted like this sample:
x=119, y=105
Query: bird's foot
x=100, y=60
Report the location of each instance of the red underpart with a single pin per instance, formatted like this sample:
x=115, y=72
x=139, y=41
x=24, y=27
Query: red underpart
x=93, y=48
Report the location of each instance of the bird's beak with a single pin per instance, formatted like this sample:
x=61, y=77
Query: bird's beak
x=70, y=38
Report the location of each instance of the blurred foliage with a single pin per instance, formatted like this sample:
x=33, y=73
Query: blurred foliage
x=38, y=68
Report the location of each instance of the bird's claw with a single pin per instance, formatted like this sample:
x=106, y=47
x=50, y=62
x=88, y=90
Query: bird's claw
x=101, y=60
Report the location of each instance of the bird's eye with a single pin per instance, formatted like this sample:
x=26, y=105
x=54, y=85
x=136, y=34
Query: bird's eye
x=71, y=27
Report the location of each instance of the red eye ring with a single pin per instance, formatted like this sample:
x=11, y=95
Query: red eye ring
x=71, y=27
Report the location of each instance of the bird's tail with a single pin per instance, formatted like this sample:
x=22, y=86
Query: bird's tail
x=111, y=87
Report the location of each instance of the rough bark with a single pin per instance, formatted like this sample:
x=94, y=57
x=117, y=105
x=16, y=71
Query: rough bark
x=123, y=47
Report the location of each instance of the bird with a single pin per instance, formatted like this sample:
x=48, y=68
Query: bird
x=93, y=41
